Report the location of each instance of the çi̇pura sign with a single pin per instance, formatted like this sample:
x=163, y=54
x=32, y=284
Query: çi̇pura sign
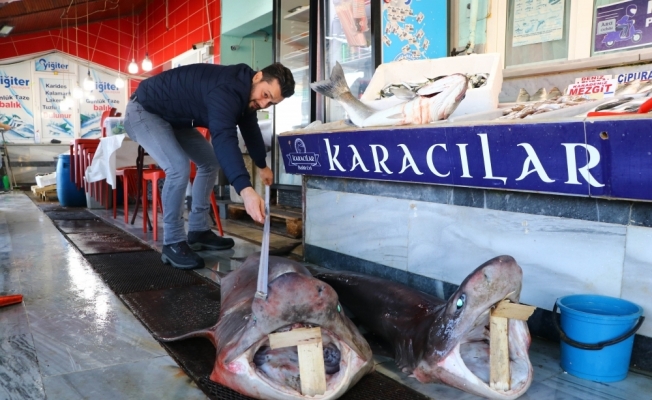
x=105, y=96
x=544, y=157
x=623, y=25
x=16, y=103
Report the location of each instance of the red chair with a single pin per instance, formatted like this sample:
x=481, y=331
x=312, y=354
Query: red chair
x=152, y=175
x=128, y=176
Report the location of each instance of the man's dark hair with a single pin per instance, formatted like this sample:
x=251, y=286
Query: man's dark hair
x=284, y=77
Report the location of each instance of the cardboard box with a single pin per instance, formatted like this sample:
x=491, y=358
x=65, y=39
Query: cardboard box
x=476, y=100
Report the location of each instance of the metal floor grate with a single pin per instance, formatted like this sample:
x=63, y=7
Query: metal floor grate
x=139, y=271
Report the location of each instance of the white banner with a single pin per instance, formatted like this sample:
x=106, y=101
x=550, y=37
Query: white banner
x=17, y=103
x=55, y=123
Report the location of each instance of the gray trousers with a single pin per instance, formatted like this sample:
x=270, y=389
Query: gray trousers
x=173, y=149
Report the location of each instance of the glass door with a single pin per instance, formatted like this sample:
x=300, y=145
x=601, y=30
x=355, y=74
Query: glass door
x=347, y=40
x=292, y=50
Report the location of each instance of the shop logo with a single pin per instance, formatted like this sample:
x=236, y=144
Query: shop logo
x=301, y=158
x=45, y=65
x=12, y=81
x=105, y=86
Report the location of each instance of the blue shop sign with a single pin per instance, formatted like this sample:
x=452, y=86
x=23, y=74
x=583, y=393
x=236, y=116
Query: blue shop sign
x=554, y=157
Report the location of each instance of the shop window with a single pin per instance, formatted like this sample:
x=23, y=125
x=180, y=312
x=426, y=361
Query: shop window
x=620, y=25
x=537, y=31
x=469, y=26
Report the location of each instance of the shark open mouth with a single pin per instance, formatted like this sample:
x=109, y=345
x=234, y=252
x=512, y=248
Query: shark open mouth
x=468, y=364
x=279, y=368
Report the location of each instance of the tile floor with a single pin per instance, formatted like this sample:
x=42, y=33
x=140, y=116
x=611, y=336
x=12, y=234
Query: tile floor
x=72, y=338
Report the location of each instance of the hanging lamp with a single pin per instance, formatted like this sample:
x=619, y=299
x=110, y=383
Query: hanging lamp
x=147, y=63
x=77, y=92
x=119, y=82
x=133, y=67
x=89, y=82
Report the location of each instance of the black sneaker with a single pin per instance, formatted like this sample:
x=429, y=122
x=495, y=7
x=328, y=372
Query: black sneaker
x=208, y=240
x=181, y=256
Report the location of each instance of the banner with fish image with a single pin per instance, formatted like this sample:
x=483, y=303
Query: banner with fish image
x=623, y=25
x=55, y=123
x=105, y=96
x=17, y=103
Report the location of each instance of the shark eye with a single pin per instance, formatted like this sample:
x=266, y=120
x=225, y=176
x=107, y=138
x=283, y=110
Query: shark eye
x=460, y=301
x=339, y=308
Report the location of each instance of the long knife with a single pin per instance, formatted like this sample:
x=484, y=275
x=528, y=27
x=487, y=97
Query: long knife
x=263, y=267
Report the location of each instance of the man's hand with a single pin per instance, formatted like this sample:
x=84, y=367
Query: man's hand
x=267, y=176
x=254, y=204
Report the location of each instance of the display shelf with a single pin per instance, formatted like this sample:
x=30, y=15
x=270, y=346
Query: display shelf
x=302, y=39
x=302, y=14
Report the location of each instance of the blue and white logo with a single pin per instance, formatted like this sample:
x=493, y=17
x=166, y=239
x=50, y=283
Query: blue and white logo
x=43, y=64
x=302, y=159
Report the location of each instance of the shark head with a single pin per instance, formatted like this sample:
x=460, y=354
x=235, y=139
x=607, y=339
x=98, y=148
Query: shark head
x=295, y=299
x=458, y=342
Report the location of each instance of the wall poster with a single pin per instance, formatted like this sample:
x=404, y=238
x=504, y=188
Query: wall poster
x=55, y=123
x=623, y=25
x=17, y=103
x=414, y=30
x=537, y=21
x=105, y=96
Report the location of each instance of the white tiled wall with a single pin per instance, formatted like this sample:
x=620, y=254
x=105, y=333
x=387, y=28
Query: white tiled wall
x=559, y=256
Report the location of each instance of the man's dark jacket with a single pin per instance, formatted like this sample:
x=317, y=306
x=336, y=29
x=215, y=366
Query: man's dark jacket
x=215, y=97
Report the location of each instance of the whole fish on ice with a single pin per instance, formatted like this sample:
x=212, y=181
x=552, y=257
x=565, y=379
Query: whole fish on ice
x=434, y=101
x=439, y=341
x=295, y=299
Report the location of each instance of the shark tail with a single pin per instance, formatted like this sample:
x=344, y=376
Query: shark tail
x=205, y=333
x=333, y=87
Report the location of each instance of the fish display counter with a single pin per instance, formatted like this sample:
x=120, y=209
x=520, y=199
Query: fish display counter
x=568, y=196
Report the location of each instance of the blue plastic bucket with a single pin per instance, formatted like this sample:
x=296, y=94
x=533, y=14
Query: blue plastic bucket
x=597, y=335
x=67, y=192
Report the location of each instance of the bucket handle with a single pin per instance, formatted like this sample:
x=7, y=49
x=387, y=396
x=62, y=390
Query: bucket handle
x=596, y=346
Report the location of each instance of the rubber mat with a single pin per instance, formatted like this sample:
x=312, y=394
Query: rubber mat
x=85, y=226
x=140, y=271
x=176, y=311
x=58, y=207
x=106, y=243
x=76, y=214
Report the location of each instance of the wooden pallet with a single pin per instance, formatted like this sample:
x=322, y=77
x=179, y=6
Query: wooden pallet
x=46, y=192
x=293, y=219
